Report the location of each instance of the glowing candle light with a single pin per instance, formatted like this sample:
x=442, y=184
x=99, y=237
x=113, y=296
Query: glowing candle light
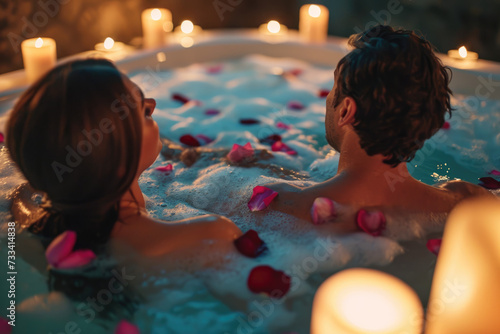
x=187, y=27
x=313, y=23
x=463, y=54
x=465, y=292
x=156, y=23
x=274, y=30
x=366, y=301
x=39, y=56
x=109, y=46
x=187, y=32
x=273, y=27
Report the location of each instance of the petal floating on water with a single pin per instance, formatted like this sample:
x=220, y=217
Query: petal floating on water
x=189, y=140
x=434, y=245
x=371, y=222
x=494, y=172
x=279, y=146
x=261, y=198
x=166, y=169
x=78, y=258
x=265, y=279
x=323, y=93
x=239, y=153
x=180, y=98
x=323, y=211
x=281, y=125
x=295, y=105
x=60, y=248
x=446, y=126
x=489, y=183
x=125, y=327
x=250, y=244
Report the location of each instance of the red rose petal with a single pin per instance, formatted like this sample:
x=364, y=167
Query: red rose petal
x=189, y=140
x=295, y=105
x=212, y=112
x=214, y=69
x=295, y=71
x=250, y=244
x=2, y=138
x=125, y=327
x=446, y=126
x=165, y=169
x=323, y=93
x=271, y=139
x=249, y=121
x=281, y=125
x=489, y=183
x=371, y=222
x=261, y=198
x=434, y=245
x=203, y=140
x=180, y=98
x=494, y=172
x=5, y=327
x=265, y=279
x=239, y=153
x=279, y=146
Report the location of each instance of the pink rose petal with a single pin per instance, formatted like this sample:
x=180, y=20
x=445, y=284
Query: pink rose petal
x=434, y=245
x=489, y=183
x=279, y=146
x=323, y=93
x=295, y=105
x=2, y=138
x=295, y=71
x=494, y=172
x=60, y=248
x=212, y=112
x=166, y=169
x=125, y=327
x=214, y=69
x=281, y=125
x=180, y=98
x=78, y=258
x=261, y=198
x=323, y=210
x=371, y=222
x=204, y=140
x=5, y=328
x=239, y=153
x=446, y=126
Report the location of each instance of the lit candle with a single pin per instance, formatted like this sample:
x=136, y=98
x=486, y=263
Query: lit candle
x=39, y=56
x=313, y=23
x=366, y=301
x=156, y=23
x=186, y=32
x=463, y=54
x=465, y=292
x=273, y=29
x=109, y=46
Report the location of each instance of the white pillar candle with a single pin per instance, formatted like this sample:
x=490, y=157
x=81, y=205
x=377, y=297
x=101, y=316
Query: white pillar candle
x=465, y=294
x=463, y=54
x=156, y=23
x=39, y=56
x=313, y=23
x=366, y=301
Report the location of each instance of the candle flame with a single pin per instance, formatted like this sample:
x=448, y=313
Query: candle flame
x=314, y=11
x=462, y=52
x=108, y=43
x=156, y=14
x=38, y=43
x=187, y=26
x=274, y=27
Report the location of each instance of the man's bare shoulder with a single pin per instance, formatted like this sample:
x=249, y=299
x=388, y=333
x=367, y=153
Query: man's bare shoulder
x=465, y=189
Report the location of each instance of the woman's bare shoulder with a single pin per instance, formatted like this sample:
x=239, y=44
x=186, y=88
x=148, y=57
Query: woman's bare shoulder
x=465, y=189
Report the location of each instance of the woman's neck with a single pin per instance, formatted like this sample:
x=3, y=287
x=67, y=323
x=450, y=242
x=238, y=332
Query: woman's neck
x=134, y=195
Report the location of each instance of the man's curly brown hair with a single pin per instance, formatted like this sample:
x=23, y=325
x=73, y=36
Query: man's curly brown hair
x=400, y=88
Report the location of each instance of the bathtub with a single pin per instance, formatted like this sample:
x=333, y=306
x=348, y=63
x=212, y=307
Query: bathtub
x=192, y=307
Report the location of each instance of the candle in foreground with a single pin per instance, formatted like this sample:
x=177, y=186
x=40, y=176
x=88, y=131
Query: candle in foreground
x=463, y=54
x=313, y=23
x=39, y=56
x=366, y=301
x=156, y=23
x=465, y=294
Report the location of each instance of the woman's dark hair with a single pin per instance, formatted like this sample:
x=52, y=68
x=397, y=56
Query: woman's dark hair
x=400, y=88
x=75, y=135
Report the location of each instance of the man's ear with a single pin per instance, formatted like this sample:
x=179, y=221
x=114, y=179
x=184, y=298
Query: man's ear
x=347, y=111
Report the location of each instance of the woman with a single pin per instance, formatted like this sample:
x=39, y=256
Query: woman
x=82, y=135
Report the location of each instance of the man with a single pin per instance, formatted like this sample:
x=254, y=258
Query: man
x=390, y=95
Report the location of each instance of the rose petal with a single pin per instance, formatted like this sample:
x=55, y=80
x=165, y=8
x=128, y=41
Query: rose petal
x=323, y=211
x=281, y=125
x=189, y=141
x=295, y=71
x=212, y=112
x=265, y=279
x=78, y=258
x=434, y=245
x=214, y=69
x=180, y=98
x=204, y=140
x=261, y=198
x=60, y=248
x=249, y=244
x=494, y=172
x=279, y=146
x=125, y=327
x=249, y=121
x=239, y=153
x=446, y=126
x=323, y=93
x=371, y=222
x=5, y=328
x=489, y=183
x=2, y=138
x=271, y=139
x=166, y=169
x=295, y=105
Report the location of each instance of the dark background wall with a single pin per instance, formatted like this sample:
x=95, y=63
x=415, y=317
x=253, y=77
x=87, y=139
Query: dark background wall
x=77, y=25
